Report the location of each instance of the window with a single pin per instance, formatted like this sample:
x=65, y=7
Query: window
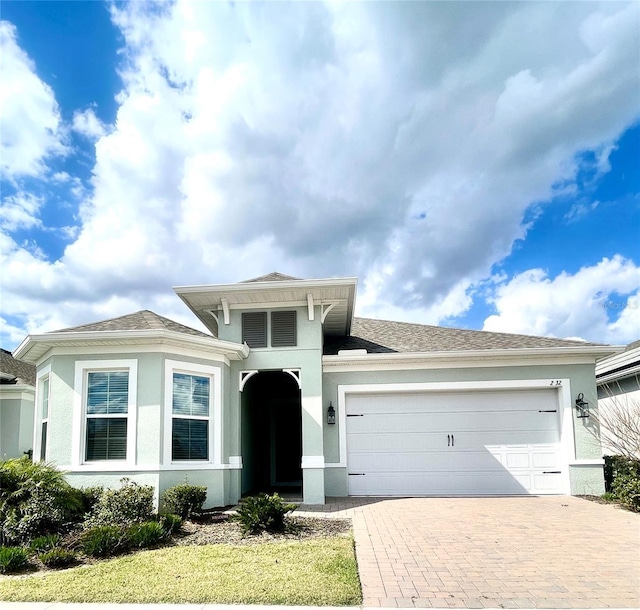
x=190, y=417
x=45, y=418
x=107, y=407
x=254, y=328
x=283, y=328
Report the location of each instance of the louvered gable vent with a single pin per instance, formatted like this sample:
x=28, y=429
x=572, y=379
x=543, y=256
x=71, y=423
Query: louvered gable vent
x=254, y=328
x=283, y=328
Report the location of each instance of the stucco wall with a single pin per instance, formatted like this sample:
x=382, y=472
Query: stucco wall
x=16, y=421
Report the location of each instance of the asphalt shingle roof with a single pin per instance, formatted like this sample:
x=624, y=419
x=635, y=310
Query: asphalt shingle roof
x=382, y=336
x=23, y=371
x=271, y=277
x=140, y=320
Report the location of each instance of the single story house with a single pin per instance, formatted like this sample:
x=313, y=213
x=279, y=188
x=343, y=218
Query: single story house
x=618, y=381
x=17, y=396
x=291, y=392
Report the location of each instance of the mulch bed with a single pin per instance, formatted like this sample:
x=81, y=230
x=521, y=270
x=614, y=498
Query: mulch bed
x=219, y=530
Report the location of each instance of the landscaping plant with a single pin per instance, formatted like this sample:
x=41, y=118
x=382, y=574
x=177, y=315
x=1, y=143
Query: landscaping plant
x=12, y=559
x=35, y=500
x=131, y=503
x=262, y=513
x=103, y=541
x=145, y=535
x=184, y=500
x=58, y=558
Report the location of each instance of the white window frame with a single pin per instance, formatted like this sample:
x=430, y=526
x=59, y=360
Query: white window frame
x=79, y=439
x=214, y=374
x=43, y=376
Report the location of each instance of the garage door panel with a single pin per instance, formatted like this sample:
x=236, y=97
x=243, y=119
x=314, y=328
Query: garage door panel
x=441, y=422
x=451, y=402
x=458, y=443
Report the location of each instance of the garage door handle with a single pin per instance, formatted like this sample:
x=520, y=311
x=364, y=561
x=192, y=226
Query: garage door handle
x=356, y=474
x=548, y=411
x=448, y=440
x=552, y=472
x=453, y=440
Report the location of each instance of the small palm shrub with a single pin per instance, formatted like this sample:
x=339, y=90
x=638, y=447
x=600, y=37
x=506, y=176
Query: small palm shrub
x=45, y=543
x=183, y=500
x=145, y=535
x=35, y=500
x=170, y=523
x=12, y=559
x=132, y=503
x=262, y=513
x=103, y=541
x=58, y=558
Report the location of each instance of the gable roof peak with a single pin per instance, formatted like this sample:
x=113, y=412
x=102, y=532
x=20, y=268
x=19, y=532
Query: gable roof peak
x=274, y=276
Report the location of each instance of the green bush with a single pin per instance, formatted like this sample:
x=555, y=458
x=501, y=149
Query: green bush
x=145, y=535
x=184, y=499
x=35, y=500
x=262, y=513
x=12, y=559
x=103, y=541
x=170, y=523
x=626, y=488
x=58, y=558
x=90, y=497
x=132, y=503
x=45, y=543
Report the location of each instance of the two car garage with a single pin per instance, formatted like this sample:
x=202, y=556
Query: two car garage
x=413, y=442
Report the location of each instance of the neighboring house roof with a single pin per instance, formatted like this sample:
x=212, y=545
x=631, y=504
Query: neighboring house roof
x=15, y=372
x=382, y=336
x=140, y=320
x=271, y=277
x=620, y=365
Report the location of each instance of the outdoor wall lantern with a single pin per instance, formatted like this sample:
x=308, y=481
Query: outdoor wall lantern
x=331, y=414
x=582, y=406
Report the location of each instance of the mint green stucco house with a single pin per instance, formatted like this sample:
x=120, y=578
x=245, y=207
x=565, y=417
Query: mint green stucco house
x=291, y=392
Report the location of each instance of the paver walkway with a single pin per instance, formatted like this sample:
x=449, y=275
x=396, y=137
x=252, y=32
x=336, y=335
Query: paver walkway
x=530, y=552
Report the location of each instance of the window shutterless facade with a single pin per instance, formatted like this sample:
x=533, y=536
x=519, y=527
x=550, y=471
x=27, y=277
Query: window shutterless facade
x=43, y=402
x=105, y=413
x=193, y=414
x=45, y=419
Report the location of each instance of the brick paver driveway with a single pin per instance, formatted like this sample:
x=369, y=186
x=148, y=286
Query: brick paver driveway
x=531, y=552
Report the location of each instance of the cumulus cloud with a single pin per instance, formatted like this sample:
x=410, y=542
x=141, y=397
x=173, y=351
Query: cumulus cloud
x=586, y=304
x=88, y=124
x=30, y=118
x=399, y=142
x=20, y=211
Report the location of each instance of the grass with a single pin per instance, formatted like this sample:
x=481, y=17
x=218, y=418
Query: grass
x=319, y=572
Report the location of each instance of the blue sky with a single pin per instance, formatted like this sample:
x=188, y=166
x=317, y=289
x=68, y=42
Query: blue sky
x=466, y=174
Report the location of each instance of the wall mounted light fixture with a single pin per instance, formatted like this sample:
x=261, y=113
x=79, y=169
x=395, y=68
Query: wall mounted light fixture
x=582, y=406
x=331, y=414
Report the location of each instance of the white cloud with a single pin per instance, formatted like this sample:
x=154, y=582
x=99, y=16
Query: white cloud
x=568, y=305
x=20, y=211
x=30, y=126
x=88, y=124
x=399, y=142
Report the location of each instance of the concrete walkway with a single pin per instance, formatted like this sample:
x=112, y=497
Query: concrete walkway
x=529, y=552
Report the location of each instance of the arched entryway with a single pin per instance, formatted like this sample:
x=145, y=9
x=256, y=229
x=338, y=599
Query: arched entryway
x=271, y=433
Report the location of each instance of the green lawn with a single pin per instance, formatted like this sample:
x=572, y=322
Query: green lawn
x=319, y=572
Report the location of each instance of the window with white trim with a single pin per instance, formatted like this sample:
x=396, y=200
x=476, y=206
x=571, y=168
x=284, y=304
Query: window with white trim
x=107, y=410
x=190, y=417
x=44, y=410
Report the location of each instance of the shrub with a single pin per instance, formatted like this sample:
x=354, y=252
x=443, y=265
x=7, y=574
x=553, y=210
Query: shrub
x=262, y=513
x=103, y=541
x=45, y=543
x=145, y=535
x=57, y=558
x=627, y=488
x=170, y=523
x=132, y=503
x=90, y=497
x=35, y=500
x=12, y=559
x=185, y=499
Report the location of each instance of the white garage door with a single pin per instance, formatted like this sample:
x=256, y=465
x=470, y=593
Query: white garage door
x=453, y=443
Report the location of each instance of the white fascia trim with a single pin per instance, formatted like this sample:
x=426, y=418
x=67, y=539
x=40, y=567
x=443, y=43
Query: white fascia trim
x=260, y=286
x=561, y=386
x=215, y=413
x=334, y=465
x=122, y=468
x=619, y=360
x=467, y=358
x=79, y=416
x=618, y=375
x=17, y=392
x=130, y=338
x=313, y=461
